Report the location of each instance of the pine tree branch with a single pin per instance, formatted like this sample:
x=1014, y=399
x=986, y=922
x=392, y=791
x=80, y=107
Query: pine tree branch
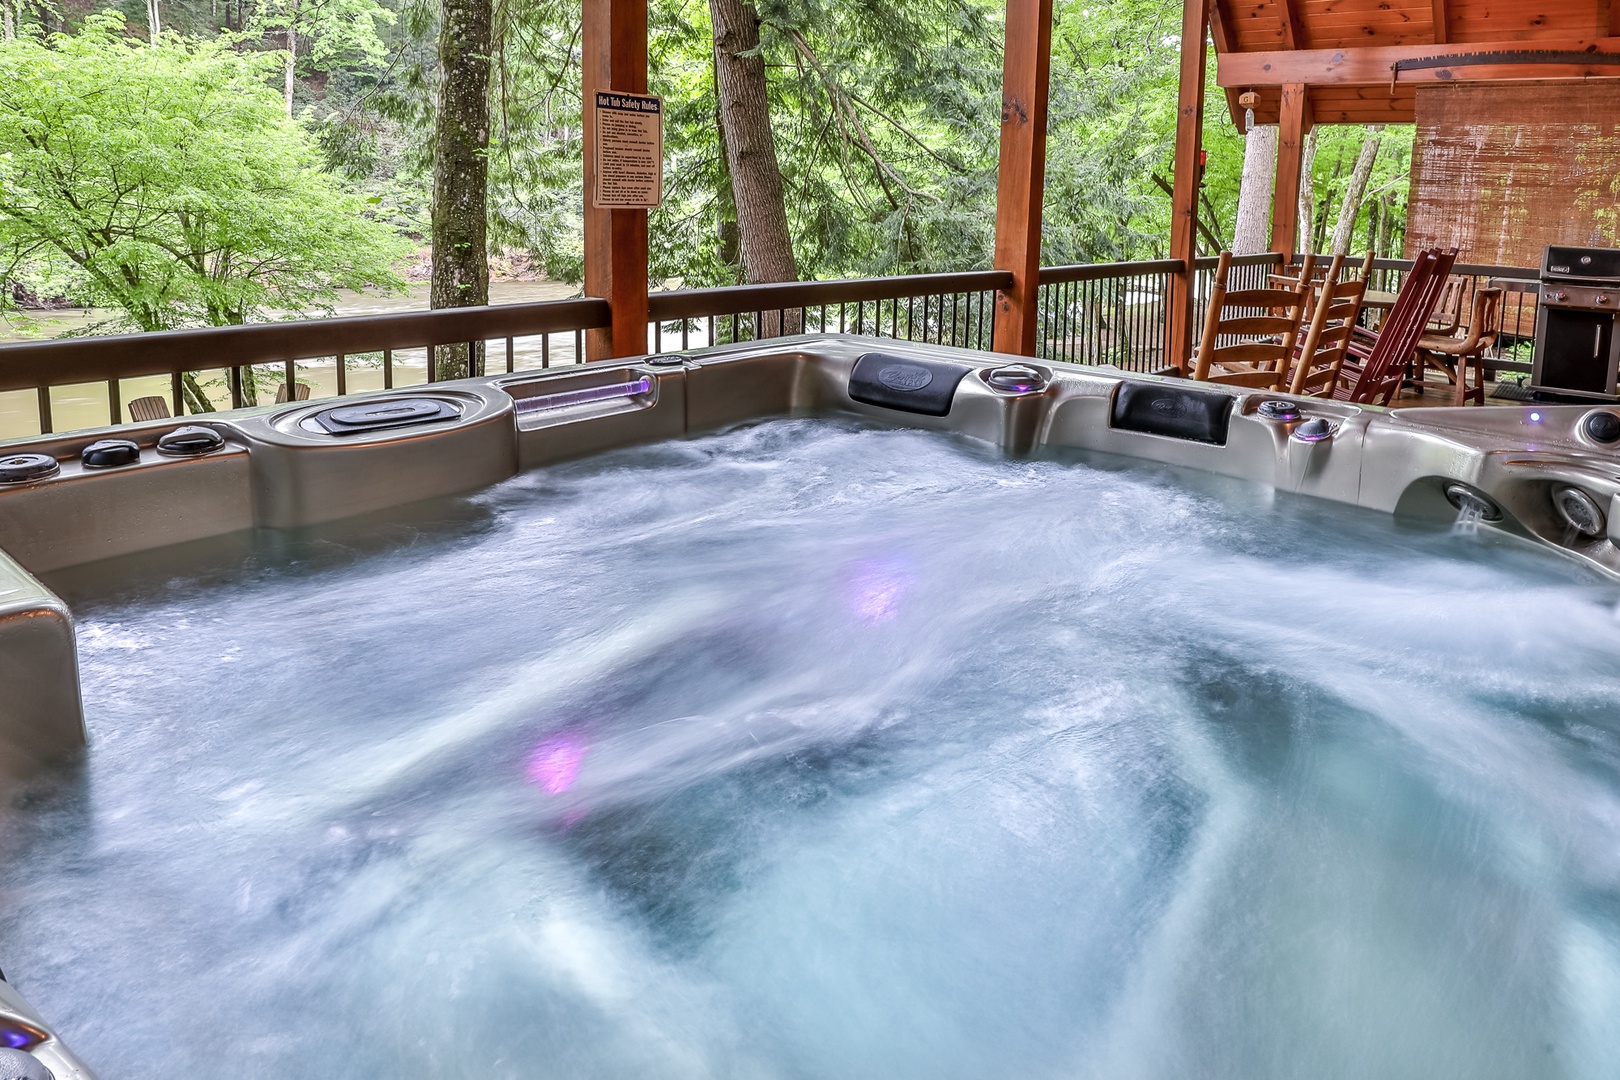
x=841, y=101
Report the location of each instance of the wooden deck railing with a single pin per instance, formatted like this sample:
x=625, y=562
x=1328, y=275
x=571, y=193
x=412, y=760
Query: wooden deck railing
x=1110, y=313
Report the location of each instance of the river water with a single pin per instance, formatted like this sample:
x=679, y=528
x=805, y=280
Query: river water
x=812, y=749
x=86, y=405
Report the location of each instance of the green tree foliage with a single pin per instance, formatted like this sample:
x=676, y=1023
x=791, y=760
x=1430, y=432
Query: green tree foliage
x=167, y=182
x=323, y=35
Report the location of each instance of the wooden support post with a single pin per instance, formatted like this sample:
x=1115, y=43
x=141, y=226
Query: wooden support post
x=1293, y=124
x=613, y=40
x=1184, y=192
x=1021, y=175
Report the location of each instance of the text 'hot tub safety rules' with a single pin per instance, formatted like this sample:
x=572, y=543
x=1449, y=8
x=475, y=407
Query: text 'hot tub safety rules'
x=629, y=150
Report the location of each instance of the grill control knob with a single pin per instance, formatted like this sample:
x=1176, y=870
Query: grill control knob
x=1603, y=427
x=1561, y=295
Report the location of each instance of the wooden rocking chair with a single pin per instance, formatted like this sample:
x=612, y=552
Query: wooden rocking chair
x=1249, y=334
x=1333, y=322
x=1371, y=376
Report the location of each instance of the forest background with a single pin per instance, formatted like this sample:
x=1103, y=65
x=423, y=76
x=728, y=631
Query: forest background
x=201, y=162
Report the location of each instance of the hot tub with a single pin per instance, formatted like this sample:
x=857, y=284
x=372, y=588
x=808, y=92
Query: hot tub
x=819, y=707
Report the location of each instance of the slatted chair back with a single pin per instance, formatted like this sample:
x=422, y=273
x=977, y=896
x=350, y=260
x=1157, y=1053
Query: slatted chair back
x=1249, y=334
x=300, y=392
x=1380, y=377
x=1448, y=312
x=1282, y=279
x=1333, y=321
x=148, y=408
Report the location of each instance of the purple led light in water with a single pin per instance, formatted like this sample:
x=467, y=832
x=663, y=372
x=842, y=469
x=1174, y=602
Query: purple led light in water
x=875, y=587
x=554, y=764
x=17, y=1037
x=1535, y=418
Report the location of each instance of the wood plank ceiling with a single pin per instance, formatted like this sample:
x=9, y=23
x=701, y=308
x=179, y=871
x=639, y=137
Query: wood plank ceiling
x=1362, y=60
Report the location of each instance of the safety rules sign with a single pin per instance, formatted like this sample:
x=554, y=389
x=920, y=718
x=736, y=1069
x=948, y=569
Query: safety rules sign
x=629, y=150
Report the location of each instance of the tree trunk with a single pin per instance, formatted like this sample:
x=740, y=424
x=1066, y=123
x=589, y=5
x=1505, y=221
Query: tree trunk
x=192, y=394
x=461, y=172
x=1330, y=192
x=292, y=55
x=1386, y=221
x=1252, y=233
x=10, y=20
x=1351, y=207
x=756, y=178
x=153, y=21
x=1307, y=191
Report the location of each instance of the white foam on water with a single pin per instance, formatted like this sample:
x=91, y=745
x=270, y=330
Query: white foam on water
x=817, y=750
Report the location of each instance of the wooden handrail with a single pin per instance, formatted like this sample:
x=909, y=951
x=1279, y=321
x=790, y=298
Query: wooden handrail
x=1059, y=275
x=62, y=361
x=795, y=295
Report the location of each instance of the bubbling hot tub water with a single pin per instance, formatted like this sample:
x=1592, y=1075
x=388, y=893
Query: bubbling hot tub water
x=819, y=750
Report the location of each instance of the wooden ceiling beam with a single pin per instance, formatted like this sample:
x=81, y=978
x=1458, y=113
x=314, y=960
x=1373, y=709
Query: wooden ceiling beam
x=1292, y=27
x=1614, y=18
x=1376, y=64
x=1441, y=21
x=1220, y=16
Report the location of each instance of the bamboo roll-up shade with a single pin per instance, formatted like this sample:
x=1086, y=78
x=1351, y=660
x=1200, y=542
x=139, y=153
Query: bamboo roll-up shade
x=1502, y=170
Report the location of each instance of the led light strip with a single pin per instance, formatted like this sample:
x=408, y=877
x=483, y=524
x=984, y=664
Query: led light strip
x=565, y=398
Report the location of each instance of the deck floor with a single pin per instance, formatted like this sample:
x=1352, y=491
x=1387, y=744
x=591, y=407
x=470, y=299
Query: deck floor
x=1437, y=391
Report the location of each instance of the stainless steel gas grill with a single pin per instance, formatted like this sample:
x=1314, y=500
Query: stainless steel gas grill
x=1577, y=349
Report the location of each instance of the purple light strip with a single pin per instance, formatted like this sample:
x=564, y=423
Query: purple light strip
x=565, y=398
